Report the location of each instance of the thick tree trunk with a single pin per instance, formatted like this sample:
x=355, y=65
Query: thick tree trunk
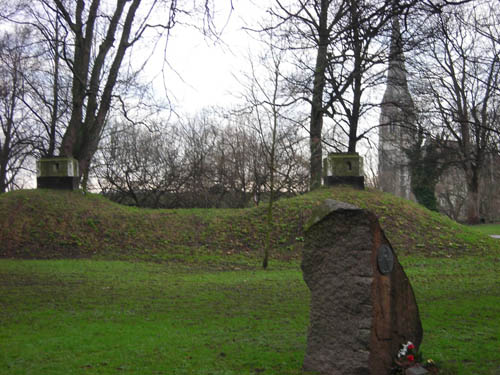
x=55, y=91
x=473, y=216
x=4, y=158
x=5, y=155
x=90, y=106
x=72, y=138
x=357, y=81
x=317, y=110
x=473, y=198
x=354, y=120
x=3, y=171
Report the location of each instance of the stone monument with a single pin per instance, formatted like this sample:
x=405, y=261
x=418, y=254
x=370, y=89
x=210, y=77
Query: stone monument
x=362, y=304
x=57, y=173
x=344, y=168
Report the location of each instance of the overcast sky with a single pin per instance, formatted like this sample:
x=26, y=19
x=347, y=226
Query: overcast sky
x=203, y=70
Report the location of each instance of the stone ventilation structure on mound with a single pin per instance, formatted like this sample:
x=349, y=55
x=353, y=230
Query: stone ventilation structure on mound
x=397, y=123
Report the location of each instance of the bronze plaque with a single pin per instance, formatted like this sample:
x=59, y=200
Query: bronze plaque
x=385, y=259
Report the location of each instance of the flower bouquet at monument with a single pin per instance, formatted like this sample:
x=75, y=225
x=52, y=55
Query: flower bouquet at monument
x=406, y=358
x=406, y=355
x=408, y=362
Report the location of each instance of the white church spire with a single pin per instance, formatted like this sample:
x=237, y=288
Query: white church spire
x=397, y=122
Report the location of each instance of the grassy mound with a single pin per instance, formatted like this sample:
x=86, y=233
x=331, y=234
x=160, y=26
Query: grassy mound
x=45, y=224
x=180, y=316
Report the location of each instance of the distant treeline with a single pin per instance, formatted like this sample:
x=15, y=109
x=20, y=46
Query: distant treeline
x=212, y=198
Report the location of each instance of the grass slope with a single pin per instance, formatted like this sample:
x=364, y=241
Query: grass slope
x=44, y=224
x=179, y=315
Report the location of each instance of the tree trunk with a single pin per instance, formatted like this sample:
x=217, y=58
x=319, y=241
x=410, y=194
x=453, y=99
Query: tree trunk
x=4, y=156
x=316, y=124
x=272, y=165
x=357, y=81
x=55, y=90
x=473, y=198
x=473, y=207
x=3, y=169
x=84, y=130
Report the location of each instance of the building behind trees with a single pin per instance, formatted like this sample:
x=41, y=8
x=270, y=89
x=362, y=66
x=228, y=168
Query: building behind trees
x=438, y=156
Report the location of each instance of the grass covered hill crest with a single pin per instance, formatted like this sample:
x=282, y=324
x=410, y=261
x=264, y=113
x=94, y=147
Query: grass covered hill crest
x=45, y=224
x=167, y=308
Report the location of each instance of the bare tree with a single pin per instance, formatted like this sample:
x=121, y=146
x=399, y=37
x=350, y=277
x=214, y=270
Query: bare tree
x=338, y=46
x=92, y=39
x=212, y=159
x=95, y=41
x=240, y=168
x=462, y=72
x=95, y=68
x=16, y=137
x=346, y=38
x=141, y=165
x=49, y=82
x=355, y=63
x=308, y=26
x=267, y=102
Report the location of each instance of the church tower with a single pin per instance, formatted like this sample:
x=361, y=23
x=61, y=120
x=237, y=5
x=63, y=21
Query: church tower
x=397, y=123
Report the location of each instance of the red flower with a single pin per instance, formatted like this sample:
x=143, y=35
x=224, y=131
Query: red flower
x=410, y=357
x=411, y=346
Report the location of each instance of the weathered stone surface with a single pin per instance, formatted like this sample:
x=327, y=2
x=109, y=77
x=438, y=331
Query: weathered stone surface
x=359, y=317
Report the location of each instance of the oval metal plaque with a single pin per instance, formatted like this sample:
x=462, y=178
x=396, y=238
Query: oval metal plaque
x=385, y=259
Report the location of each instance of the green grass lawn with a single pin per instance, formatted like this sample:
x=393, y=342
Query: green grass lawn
x=92, y=287
x=104, y=317
x=487, y=228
